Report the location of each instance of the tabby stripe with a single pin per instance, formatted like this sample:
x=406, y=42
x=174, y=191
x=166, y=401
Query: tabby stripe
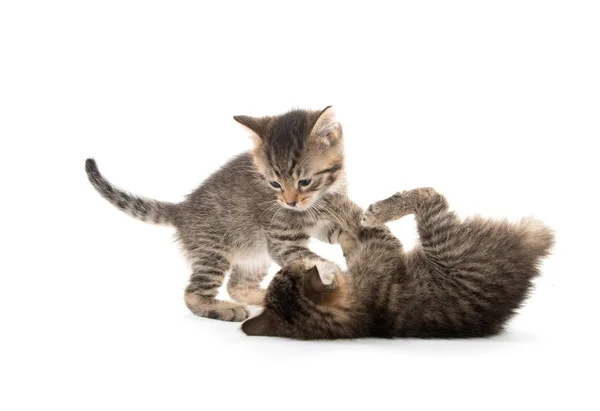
x=450, y=290
x=474, y=296
x=206, y=252
x=208, y=266
x=214, y=257
x=210, y=238
x=315, y=186
x=194, y=286
x=330, y=179
x=445, y=309
x=333, y=169
x=331, y=231
x=210, y=274
x=290, y=237
x=286, y=253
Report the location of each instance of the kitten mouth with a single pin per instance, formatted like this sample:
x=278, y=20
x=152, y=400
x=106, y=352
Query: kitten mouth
x=298, y=207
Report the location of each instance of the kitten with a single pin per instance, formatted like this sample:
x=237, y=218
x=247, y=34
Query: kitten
x=465, y=279
x=264, y=203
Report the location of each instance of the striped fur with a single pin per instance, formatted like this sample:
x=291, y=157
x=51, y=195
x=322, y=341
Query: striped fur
x=144, y=209
x=236, y=222
x=465, y=279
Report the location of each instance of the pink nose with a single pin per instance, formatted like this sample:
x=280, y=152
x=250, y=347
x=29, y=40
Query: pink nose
x=291, y=204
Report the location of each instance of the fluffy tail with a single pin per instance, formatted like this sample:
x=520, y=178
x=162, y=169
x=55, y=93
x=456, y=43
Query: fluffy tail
x=538, y=238
x=143, y=209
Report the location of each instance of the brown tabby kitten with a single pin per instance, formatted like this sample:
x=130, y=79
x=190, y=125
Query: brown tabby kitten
x=263, y=203
x=465, y=279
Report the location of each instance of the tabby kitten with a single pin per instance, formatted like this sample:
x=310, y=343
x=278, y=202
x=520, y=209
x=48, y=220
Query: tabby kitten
x=465, y=279
x=263, y=203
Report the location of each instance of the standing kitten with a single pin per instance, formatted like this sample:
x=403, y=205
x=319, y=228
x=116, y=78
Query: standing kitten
x=263, y=203
x=465, y=279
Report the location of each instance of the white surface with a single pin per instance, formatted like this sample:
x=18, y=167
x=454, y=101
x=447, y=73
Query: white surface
x=495, y=105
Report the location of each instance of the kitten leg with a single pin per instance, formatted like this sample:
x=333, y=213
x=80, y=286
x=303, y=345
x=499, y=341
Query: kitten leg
x=398, y=206
x=288, y=247
x=348, y=243
x=436, y=225
x=326, y=232
x=339, y=216
x=244, y=283
x=208, y=272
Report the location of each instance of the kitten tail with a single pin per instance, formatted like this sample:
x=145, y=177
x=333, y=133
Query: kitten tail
x=537, y=237
x=143, y=209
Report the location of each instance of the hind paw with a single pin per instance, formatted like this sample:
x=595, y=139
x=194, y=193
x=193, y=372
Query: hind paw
x=372, y=217
x=395, y=207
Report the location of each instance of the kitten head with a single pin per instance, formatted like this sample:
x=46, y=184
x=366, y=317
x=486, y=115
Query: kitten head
x=299, y=153
x=298, y=305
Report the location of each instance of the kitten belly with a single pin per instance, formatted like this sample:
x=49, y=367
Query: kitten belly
x=255, y=256
x=322, y=231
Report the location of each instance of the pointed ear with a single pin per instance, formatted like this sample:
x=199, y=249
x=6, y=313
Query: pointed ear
x=312, y=280
x=327, y=129
x=256, y=125
x=262, y=324
x=314, y=288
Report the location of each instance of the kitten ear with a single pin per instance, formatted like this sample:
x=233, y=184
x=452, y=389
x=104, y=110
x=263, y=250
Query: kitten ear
x=314, y=288
x=262, y=324
x=312, y=280
x=327, y=129
x=257, y=125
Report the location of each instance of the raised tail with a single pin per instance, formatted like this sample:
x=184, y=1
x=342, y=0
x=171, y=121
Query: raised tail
x=150, y=211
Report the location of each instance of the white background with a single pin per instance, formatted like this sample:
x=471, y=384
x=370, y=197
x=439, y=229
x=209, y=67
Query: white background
x=496, y=104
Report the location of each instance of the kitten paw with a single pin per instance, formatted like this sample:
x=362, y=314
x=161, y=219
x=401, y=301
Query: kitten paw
x=233, y=312
x=372, y=217
x=216, y=309
x=397, y=206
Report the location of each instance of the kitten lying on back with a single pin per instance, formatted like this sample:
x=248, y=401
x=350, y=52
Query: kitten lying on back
x=465, y=279
x=263, y=203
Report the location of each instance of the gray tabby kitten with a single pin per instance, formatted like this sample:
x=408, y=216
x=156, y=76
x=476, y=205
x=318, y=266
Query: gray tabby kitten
x=264, y=203
x=465, y=279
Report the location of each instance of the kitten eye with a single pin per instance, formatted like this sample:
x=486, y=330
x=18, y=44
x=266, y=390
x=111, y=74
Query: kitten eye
x=304, y=183
x=275, y=184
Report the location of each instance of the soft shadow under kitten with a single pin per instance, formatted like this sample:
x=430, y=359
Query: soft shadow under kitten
x=264, y=203
x=464, y=279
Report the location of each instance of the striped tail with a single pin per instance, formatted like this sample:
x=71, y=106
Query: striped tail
x=143, y=209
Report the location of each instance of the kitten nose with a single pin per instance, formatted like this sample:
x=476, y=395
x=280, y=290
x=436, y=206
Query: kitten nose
x=291, y=204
